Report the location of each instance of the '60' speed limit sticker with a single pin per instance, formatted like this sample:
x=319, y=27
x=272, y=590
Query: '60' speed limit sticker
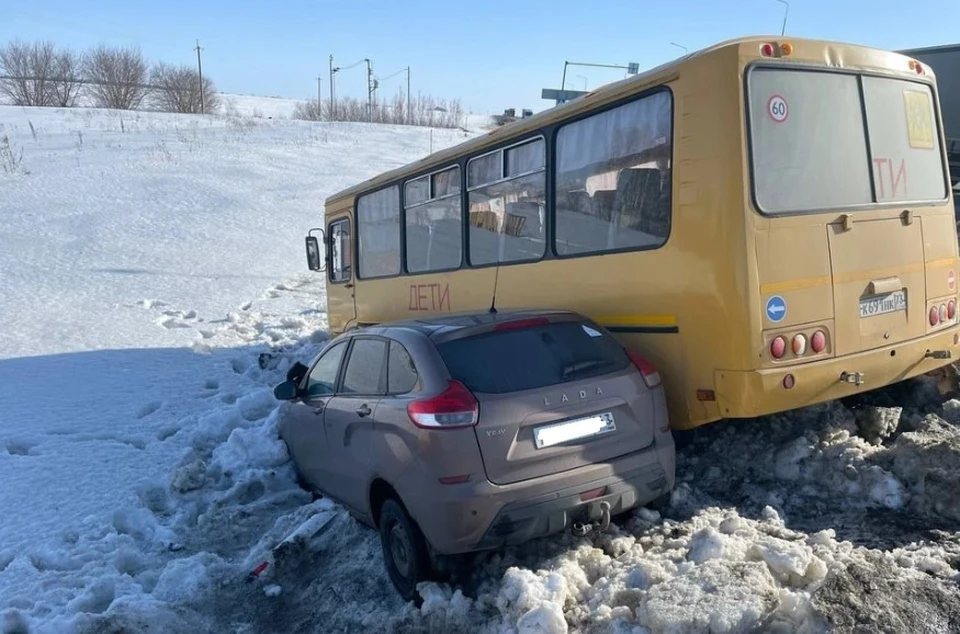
x=778, y=109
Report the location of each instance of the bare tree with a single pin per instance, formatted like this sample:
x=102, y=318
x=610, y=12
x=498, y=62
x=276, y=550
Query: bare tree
x=117, y=77
x=68, y=79
x=28, y=71
x=310, y=111
x=177, y=89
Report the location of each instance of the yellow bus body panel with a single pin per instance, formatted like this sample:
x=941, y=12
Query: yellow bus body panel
x=699, y=299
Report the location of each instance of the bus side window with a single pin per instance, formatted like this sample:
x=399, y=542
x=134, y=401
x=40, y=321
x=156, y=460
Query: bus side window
x=340, y=269
x=613, y=178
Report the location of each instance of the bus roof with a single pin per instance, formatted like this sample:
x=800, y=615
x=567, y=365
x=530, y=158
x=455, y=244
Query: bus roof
x=607, y=92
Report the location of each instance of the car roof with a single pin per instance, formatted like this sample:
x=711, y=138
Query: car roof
x=435, y=326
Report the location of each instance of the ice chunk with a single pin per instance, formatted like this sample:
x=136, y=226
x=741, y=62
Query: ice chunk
x=876, y=424
x=547, y=618
x=706, y=544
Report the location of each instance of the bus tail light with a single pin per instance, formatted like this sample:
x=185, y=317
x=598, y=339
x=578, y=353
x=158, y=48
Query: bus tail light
x=951, y=309
x=786, y=48
x=934, y=316
x=943, y=313
x=778, y=347
x=916, y=66
x=767, y=50
x=818, y=342
x=799, y=345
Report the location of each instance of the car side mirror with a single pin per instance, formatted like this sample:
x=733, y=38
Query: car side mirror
x=296, y=372
x=314, y=261
x=286, y=391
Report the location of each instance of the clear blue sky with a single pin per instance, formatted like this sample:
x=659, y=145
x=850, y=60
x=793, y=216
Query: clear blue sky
x=491, y=55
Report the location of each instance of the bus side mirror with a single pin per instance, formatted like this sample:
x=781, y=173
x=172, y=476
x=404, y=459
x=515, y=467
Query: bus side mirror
x=314, y=260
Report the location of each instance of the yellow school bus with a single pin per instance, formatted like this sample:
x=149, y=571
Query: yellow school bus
x=768, y=221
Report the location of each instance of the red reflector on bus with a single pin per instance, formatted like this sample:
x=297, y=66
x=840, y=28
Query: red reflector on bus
x=818, y=342
x=706, y=395
x=789, y=382
x=778, y=347
x=521, y=323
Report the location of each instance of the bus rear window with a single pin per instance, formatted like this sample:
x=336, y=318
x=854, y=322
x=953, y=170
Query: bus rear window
x=826, y=140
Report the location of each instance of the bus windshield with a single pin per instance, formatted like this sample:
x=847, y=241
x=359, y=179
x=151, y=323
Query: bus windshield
x=828, y=140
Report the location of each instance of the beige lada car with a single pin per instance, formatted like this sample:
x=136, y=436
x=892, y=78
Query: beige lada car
x=463, y=433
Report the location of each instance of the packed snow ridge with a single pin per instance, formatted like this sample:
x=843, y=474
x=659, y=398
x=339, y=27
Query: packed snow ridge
x=144, y=478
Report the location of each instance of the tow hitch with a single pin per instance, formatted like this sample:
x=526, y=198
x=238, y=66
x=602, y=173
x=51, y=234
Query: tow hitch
x=852, y=377
x=937, y=354
x=582, y=528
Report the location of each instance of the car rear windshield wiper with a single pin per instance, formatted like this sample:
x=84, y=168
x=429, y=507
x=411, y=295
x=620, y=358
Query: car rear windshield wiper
x=583, y=366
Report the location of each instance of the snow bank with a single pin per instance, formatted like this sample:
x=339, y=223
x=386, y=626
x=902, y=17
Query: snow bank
x=149, y=263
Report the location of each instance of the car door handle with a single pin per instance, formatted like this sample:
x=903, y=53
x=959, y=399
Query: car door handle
x=364, y=410
x=318, y=410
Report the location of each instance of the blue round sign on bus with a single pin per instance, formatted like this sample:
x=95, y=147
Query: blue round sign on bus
x=776, y=308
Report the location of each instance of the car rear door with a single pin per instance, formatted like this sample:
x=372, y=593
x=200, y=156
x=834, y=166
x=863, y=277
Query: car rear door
x=349, y=419
x=553, y=397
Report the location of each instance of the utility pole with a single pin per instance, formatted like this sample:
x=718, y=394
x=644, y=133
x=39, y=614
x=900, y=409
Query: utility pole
x=370, y=89
x=319, y=102
x=200, y=74
x=331, y=88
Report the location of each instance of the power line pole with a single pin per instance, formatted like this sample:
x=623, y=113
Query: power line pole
x=331, y=88
x=369, y=90
x=200, y=74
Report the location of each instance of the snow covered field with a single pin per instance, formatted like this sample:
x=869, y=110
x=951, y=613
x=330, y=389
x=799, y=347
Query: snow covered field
x=149, y=261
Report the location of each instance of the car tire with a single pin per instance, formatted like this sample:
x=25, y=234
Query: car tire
x=404, y=550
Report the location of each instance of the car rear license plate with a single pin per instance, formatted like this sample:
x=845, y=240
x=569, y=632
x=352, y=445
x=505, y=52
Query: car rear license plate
x=559, y=433
x=883, y=304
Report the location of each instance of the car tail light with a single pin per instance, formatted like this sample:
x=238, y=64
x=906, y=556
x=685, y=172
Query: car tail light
x=650, y=374
x=934, y=316
x=778, y=347
x=454, y=407
x=951, y=309
x=799, y=345
x=818, y=343
x=521, y=323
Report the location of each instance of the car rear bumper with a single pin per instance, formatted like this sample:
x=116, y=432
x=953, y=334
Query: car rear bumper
x=761, y=392
x=471, y=517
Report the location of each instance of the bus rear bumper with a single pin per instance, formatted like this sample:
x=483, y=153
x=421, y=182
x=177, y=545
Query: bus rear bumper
x=762, y=392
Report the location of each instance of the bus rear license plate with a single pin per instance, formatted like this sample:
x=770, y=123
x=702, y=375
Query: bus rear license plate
x=883, y=304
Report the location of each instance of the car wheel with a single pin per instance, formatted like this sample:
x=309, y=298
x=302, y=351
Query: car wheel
x=404, y=550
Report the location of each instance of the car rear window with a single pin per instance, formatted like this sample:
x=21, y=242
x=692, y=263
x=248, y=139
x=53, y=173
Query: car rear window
x=532, y=357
